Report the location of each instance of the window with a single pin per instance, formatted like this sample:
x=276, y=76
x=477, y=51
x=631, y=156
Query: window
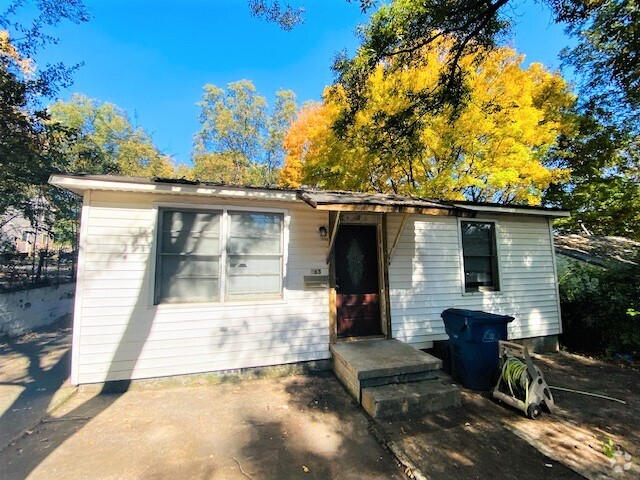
x=254, y=255
x=188, y=263
x=192, y=255
x=480, y=257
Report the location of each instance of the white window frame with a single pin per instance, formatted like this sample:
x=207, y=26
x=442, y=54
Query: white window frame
x=224, y=233
x=235, y=297
x=497, y=290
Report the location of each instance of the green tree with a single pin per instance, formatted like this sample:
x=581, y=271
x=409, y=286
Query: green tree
x=30, y=146
x=240, y=140
x=607, y=55
x=603, y=192
x=107, y=142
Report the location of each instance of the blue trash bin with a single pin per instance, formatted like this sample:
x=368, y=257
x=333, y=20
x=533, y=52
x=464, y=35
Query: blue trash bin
x=473, y=345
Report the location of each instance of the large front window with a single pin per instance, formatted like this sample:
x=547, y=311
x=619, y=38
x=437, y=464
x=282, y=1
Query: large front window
x=480, y=256
x=193, y=264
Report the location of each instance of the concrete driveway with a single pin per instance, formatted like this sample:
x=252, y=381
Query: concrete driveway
x=291, y=427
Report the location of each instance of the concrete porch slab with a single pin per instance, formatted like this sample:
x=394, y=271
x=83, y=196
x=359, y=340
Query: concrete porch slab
x=382, y=358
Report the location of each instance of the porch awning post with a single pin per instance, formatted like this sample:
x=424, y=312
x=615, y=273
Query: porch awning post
x=397, y=239
x=332, y=241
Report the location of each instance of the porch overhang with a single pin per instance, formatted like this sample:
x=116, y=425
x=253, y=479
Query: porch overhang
x=375, y=203
x=337, y=201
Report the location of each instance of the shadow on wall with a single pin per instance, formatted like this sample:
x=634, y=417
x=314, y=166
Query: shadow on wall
x=424, y=278
x=138, y=326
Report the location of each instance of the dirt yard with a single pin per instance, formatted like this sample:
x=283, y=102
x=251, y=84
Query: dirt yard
x=485, y=440
x=583, y=428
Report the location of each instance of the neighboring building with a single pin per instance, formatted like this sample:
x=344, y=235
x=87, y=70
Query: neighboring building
x=26, y=237
x=177, y=277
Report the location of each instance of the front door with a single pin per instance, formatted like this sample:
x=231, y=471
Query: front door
x=357, y=288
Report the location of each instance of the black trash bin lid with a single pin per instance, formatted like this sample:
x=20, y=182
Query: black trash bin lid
x=456, y=318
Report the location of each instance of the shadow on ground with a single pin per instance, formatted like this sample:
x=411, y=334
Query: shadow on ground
x=33, y=368
x=582, y=427
x=291, y=427
x=471, y=442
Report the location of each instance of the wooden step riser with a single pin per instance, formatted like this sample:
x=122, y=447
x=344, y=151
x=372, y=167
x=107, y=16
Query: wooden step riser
x=400, y=378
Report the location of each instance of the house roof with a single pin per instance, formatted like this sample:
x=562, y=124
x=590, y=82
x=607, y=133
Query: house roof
x=319, y=199
x=597, y=250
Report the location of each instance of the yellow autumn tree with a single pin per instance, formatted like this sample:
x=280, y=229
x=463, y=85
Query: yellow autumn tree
x=493, y=149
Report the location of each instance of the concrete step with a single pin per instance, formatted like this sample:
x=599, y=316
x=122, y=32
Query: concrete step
x=370, y=363
x=409, y=400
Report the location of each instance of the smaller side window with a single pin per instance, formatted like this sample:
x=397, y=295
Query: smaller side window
x=480, y=256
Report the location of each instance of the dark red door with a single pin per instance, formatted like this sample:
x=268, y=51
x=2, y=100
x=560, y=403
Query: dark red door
x=357, y=289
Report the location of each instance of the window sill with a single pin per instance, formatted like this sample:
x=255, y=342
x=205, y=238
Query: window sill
x=218, y=305
x=482, y=293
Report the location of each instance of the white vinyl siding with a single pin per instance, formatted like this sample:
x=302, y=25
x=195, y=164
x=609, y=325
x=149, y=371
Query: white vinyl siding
x=121, y=334
x=426, y=277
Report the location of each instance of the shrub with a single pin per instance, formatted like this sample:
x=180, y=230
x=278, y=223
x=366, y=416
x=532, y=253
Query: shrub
x=601, y=308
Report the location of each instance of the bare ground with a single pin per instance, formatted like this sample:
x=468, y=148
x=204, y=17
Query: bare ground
x=484, y=439
x=305, y=427
x=581, y=426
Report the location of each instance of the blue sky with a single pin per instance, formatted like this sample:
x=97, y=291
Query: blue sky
x=152, y=57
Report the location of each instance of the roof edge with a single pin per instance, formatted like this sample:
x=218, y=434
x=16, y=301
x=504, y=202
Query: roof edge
x=80, y=183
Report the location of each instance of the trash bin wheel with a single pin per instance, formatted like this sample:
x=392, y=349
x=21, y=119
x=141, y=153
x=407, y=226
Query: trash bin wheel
x=534, y=411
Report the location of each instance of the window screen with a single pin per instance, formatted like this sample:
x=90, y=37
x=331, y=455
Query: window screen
x=480, y=258
x=188, y=263
x=254, y=255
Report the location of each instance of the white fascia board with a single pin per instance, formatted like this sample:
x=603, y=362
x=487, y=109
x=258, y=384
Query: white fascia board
x=515, y=210
x=79, y=185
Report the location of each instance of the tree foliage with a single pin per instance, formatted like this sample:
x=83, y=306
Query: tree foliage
x=286, y=16
x=606, y=31
x=30, y=145
x=104, y=142
x=107, y=142
x=602, y=152
x=607, y=55
x=240, y=141
x=600, y=307
x=493, y=149
x=603, y=192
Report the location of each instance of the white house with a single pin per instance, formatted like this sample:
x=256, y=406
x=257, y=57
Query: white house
x=178, y=277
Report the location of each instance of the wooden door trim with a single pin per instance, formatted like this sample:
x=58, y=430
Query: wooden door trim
x=383, y=279
x=333, y=311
